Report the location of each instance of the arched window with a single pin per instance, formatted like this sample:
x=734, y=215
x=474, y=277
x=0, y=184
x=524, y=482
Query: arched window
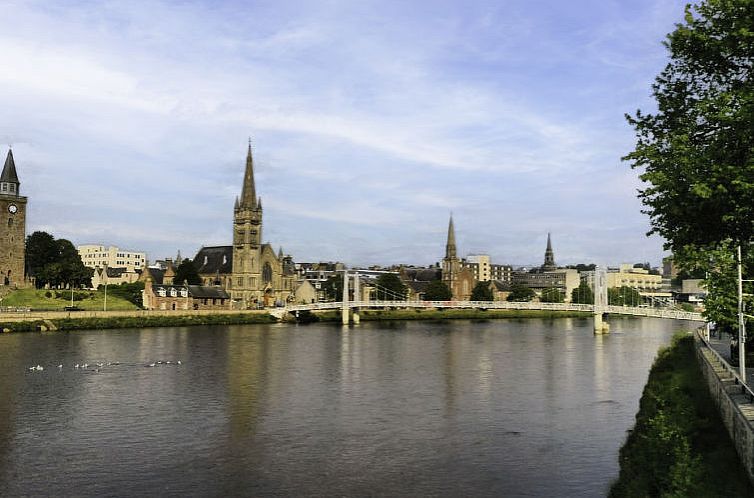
x=267, y=273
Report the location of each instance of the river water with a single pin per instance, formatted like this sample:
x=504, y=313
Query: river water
x=454, y=408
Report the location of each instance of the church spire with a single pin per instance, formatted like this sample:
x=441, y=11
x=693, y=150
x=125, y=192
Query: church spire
x=450, y=247
x=549, y=264
x=248, y=193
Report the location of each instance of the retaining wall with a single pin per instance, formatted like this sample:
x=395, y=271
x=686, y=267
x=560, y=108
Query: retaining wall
x=735, y=402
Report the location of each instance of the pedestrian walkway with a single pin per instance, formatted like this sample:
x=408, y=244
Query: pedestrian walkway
x=722, y=346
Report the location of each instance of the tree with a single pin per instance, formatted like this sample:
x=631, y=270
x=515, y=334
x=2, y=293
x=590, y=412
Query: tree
x=437, y=291
x=390, y=287
x=55, y=262
x=582, y=267
x=186, y=272
x=582, y=294
x=40, y=250
x=696, y=149
x=623, y=296
x=521, y=293
x=552, y=295
x=130, y=292
x=333, y=287
x=482, y=292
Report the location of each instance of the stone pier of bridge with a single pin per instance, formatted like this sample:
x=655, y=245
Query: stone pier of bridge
x=599, y=287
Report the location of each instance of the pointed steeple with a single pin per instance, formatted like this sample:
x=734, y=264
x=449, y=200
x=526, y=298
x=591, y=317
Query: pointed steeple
x=450, y=247
x=280, y=253
x=549, y=264
x=248, y=193
x=235, y=206
x=8, y=178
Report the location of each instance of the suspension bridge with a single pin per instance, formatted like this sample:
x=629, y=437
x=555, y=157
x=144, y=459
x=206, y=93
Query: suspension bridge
x=352, y=303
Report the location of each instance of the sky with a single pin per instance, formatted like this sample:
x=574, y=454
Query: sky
x=371, y=122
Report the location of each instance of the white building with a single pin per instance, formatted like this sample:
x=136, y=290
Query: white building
x=96, y=256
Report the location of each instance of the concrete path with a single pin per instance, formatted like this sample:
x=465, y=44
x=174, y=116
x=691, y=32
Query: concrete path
x=722, y=346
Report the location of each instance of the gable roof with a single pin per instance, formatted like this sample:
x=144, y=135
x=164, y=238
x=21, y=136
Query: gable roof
x=213, y=260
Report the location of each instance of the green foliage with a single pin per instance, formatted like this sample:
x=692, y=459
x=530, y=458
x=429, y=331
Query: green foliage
x=679, y=446
x=186, y=271
x=582, y=294
x=623, y=296
x=581, y=267
x=719, y=265
x=696, y=151
x=437, y=291
x=552, y=295
x=390, y=287
x=521, y=293
x=131, y=292
x=160, y=321
x=333, y=287
x=58, y=299
x=55, y=262
x=687, y=307
x=482, y=292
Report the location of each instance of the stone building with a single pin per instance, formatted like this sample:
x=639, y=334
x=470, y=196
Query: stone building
x=249, y=270
x=99, y=256
x=114, y=276
x=215, y=265
x=13, y=232
x=459, y=280
x=184, y=297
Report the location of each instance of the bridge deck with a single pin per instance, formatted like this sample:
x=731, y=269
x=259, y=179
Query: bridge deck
x=503, y=305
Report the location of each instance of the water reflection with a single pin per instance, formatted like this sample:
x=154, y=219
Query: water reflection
x=400, y=409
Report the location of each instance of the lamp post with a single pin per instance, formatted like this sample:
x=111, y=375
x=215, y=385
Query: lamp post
x=741, y=320
x=104, y=274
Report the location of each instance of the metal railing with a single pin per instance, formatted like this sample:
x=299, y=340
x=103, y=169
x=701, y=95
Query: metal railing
x=503, y=305
x=745, y=390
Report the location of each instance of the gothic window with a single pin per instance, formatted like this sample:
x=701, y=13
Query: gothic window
x=267, y=273
x=10, y=222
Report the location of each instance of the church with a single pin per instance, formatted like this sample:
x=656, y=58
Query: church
x=13, y=234
x=252, y=273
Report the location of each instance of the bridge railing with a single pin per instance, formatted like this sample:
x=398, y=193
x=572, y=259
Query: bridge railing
x=509, y=305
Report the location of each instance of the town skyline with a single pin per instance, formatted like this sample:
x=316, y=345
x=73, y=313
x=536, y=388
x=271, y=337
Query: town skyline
x=136, y=144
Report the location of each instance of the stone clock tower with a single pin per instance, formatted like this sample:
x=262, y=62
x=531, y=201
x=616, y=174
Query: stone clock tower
x=12, y=225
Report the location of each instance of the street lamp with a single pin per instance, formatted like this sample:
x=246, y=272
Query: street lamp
x=741, y=324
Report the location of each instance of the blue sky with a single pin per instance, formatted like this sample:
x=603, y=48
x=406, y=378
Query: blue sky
x=371, y=122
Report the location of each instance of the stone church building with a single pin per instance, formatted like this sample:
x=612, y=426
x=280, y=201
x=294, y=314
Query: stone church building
x=459, y=280
x=13, y=231
x=251, y=271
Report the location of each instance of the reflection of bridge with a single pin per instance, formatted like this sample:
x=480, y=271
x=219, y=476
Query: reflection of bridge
x=496, y=305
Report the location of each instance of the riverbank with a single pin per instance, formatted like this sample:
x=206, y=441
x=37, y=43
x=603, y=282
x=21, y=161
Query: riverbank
x=679, y=445
x=142, y=321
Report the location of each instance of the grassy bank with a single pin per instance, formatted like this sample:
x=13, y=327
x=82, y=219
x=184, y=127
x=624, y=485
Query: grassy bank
x=42, y=299
x=449, y=314
x=679, y=446
x=139, y=322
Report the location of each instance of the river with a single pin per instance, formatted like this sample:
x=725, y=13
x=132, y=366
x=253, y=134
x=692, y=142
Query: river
x=454, y=408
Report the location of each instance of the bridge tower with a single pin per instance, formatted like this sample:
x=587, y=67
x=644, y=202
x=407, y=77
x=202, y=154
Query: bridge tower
x=348, y=309
x=600, y=300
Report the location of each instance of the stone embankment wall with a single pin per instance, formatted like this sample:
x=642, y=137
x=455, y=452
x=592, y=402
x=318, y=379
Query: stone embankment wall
x=734, y=402
x=55, y=315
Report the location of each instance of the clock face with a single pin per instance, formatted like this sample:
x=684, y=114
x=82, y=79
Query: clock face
x=12, y=209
